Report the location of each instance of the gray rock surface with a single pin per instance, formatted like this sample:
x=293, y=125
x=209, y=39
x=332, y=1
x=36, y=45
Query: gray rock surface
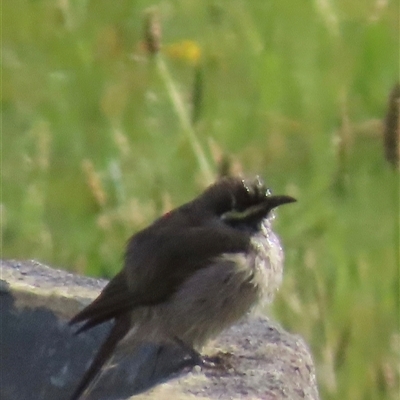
x=42, y=359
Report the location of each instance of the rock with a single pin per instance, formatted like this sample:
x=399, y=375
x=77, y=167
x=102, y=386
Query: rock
x=41, y=358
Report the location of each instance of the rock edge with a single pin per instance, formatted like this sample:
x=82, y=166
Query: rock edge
x=43, y=359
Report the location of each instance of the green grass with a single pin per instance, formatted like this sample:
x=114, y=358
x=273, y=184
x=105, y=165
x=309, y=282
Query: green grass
x=99, y=138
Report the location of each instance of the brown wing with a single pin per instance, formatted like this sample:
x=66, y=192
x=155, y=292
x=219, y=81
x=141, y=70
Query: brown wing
x=161, y=264
x=156, y=265
x=112, y=301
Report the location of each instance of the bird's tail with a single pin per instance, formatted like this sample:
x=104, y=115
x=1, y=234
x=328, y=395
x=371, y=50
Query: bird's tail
x=119, y=330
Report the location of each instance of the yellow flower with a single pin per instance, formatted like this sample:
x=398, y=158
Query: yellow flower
x=185, y=50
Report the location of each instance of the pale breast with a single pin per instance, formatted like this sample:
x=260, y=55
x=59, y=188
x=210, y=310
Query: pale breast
x=267, y=258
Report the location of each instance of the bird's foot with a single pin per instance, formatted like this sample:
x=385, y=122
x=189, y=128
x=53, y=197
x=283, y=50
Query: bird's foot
x=221, y=361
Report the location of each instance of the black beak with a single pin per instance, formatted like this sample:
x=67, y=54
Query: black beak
x=257, y=212
x=275, y=201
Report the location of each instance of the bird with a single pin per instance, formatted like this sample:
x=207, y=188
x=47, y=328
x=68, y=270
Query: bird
x=192, y=273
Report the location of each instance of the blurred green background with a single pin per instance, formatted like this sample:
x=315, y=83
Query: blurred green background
x=99, y=137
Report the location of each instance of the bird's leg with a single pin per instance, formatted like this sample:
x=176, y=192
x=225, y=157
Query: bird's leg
x=219, y=361
x=196, y=357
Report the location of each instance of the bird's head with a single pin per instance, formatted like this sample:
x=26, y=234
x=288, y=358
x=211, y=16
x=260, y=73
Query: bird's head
x=241, y=202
